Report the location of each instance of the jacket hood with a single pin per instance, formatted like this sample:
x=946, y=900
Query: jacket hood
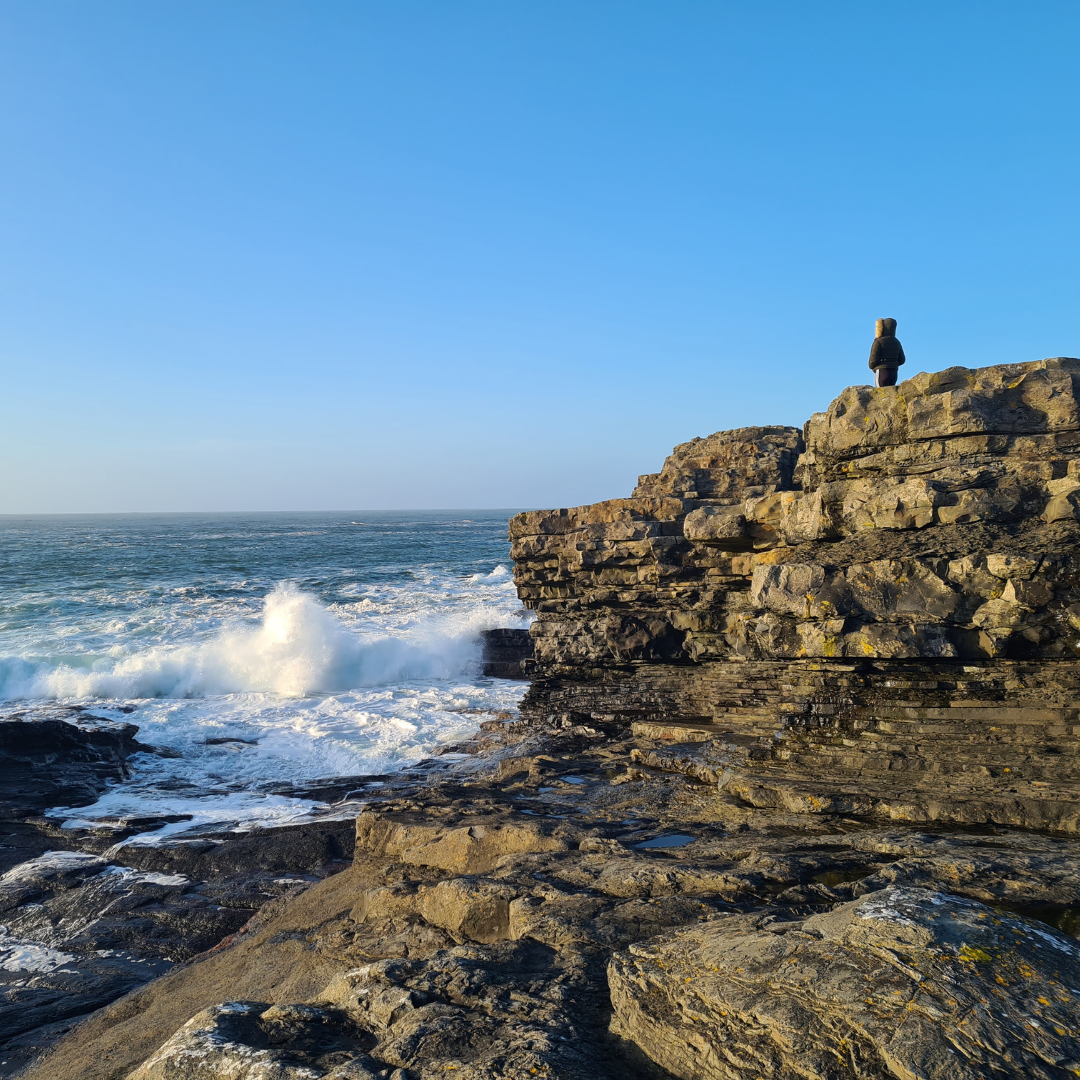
x=886, y=328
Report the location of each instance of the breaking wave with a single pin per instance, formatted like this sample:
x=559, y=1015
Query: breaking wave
x=298, y=648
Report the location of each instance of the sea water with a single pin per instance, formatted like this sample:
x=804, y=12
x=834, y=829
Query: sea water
x=266, y=651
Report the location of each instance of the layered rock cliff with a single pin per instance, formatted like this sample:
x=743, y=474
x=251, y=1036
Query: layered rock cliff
x=879, y=612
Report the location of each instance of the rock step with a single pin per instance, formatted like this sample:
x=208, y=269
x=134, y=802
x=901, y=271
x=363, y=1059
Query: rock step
x=735, y=750
x=938, y=740
x=865, y=766
x=1037, y=810
x=676, y=730
x=971, y=798
x=841, y=787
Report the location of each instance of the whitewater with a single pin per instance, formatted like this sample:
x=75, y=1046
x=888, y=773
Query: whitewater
x=261, y=652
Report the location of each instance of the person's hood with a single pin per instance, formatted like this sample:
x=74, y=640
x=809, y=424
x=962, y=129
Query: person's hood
x=886, y=328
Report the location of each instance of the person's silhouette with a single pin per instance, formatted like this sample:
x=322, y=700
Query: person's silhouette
x=886, y=354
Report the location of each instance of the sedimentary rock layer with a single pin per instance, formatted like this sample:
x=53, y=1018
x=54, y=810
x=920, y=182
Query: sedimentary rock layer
x=893, y=591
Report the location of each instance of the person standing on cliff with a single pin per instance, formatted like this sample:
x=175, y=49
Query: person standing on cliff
x=886, y=354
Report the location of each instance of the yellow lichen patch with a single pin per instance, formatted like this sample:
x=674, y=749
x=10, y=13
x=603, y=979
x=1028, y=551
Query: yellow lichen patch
x=974, y=955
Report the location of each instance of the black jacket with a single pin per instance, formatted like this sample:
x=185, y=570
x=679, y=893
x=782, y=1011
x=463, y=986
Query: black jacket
x=886, y=352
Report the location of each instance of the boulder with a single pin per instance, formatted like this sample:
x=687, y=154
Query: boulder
x=470, y=847
x=903, y=982
x=249, y=1040
x=750, y=460
x=1008, y=399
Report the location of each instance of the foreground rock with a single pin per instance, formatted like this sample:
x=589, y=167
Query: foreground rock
x=474, y=933
x=85, y=916
x=904, y=983
x=80, y=931
x=243, y=1039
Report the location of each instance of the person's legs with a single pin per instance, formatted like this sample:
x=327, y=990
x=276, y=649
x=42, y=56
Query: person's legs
x=886, y=376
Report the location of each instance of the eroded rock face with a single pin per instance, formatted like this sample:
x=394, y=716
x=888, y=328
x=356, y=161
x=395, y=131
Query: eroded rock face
x=995, y=446
x=915, y=558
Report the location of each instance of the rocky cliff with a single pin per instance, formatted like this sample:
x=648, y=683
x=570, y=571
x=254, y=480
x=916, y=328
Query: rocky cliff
x=880, y=612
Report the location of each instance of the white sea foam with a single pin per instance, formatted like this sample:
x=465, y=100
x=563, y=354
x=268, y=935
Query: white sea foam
x=29, y=956
x=147, y=877
x=49, y=864
x=298, y=648
x=308, y=692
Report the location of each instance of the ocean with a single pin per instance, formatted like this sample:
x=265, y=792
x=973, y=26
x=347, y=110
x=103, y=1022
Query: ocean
x=263, y=651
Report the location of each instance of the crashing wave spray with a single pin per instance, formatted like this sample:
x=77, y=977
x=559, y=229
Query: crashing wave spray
x=299, y=648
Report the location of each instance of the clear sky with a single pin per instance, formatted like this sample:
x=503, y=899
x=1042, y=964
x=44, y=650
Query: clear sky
x=420, y=253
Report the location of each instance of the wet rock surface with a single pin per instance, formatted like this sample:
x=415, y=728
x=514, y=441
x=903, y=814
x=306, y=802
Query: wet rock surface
x=46, y=759
x=78, y=931
x=89, y=914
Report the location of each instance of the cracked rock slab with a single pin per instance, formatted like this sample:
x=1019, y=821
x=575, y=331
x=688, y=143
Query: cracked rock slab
x=904, y=982
x=248, y=1040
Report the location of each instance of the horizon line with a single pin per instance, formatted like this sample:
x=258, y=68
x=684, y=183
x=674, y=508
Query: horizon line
x=178, y=513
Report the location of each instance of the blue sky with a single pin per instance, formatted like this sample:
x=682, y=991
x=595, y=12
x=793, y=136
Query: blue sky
x=319, y=255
